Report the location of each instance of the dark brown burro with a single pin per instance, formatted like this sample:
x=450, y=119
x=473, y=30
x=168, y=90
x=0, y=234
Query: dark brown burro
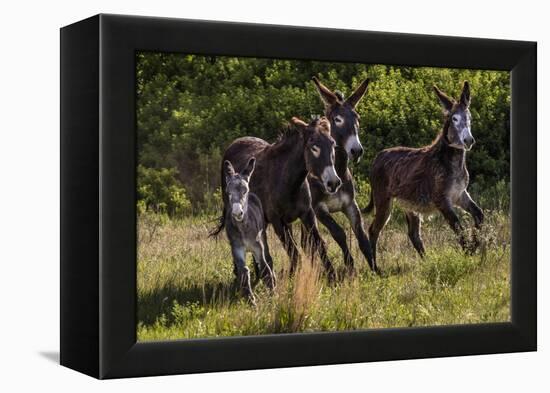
x=344, y=129
x=279, y=180
x=427, y=179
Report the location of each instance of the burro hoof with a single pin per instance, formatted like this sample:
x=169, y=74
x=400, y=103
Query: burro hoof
x=270, y=283
x=252, y=300
x=331, y=276
x=351, y=272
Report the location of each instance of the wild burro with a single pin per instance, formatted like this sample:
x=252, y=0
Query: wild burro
x=245, y=227
x=428, y=179
x=344, y=126
x=279, y=180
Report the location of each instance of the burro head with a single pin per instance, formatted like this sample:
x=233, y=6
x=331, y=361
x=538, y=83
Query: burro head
x=458, y=119
x=319, y=152
x=237, y=187
x=343, y=117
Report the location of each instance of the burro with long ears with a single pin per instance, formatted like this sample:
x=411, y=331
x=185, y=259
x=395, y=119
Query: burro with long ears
x=279, y=181
x=344, y=121
x=428, y=179
x=245, y=227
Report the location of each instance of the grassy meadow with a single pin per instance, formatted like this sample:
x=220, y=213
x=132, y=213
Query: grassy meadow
x=186, y=285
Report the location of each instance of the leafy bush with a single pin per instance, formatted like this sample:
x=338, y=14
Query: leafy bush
x=159, y=191
x=190, y=108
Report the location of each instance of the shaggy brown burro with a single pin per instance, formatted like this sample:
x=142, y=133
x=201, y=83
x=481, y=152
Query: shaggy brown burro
x=427, y=179
x=279, y=181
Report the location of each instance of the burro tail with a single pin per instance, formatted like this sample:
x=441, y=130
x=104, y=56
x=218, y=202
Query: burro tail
x=368, y=209
x=221, y=225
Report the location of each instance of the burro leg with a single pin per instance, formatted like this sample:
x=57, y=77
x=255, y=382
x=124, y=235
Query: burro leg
x=265, y=270
x=242, y=273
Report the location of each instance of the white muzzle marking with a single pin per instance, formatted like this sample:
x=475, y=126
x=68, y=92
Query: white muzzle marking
x=237, y=211
x=329, y=175
x=352, y=143
x=466, y=134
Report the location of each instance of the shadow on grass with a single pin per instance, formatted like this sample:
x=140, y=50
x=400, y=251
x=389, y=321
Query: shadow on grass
x=397, y=269
x=160, y=302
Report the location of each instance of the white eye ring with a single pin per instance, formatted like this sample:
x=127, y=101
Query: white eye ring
x=339, y=120
x=316, y=151
x=455, y=118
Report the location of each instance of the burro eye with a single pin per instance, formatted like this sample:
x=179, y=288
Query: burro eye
x=338, y=120
x=455, y=118
x=316, y=151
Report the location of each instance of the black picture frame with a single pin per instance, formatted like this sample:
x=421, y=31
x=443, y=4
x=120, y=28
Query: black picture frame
x=98, y=193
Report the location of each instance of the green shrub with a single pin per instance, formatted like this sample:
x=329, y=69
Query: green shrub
x=159, y=191
x=190, y=108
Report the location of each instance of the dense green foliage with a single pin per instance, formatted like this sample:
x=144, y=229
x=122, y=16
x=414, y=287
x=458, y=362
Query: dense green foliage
x=191, y=107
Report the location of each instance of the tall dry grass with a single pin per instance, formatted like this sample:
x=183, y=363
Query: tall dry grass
x=186, y=287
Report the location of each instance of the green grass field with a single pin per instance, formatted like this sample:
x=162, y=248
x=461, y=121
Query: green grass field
x=186, y=285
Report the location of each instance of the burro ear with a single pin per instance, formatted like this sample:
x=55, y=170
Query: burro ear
x=324, y=125
x=327, y=96
x=356, y=96
x=465, y=96
x=228, y=168
x=247, y=172
x=298, y=122
x=446, y=102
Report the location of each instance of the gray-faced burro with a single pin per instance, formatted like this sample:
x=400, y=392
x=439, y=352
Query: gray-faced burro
x=427, y=179
x=344, y=129
x=245, y=227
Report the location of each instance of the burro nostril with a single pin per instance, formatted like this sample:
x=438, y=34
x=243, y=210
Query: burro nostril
x=357, y=152
x=333, y=185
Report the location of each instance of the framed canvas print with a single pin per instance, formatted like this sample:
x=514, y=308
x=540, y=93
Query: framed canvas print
x=239, y=196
